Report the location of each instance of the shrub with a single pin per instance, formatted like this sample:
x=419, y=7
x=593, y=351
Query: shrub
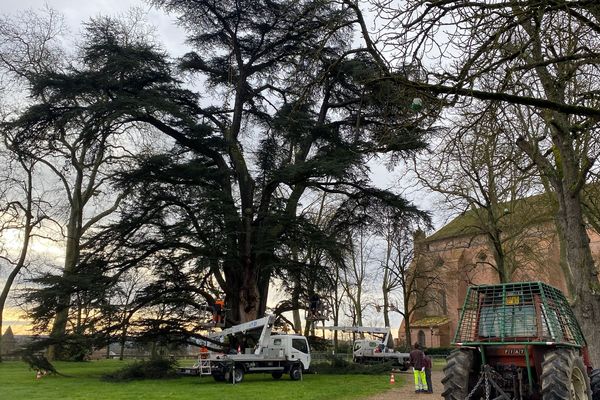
x=439, y=351
x=345, y=346
x=317, y=343
x=153, y=369
x=339, y=366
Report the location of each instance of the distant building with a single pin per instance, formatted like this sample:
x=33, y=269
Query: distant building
x=9, y=343
x=462, y=257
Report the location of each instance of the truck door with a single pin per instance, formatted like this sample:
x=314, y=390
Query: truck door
x=300, y=351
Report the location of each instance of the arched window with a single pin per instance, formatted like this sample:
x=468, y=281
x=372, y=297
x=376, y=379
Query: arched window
x=421, y=338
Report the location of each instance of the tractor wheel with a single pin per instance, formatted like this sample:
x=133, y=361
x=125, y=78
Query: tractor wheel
x=296, y=372
x=595, y=384
x=564, y=376
x=460, y=375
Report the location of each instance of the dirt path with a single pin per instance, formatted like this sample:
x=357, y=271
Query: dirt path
x=407, y=391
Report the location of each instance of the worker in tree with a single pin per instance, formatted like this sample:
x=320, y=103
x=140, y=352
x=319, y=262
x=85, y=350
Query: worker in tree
x=315, y=303
x=218, y=309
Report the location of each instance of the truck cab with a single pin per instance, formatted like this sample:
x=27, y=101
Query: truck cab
x=291, y=347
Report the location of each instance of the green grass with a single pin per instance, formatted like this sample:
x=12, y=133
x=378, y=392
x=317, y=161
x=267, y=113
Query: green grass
x=83, y=383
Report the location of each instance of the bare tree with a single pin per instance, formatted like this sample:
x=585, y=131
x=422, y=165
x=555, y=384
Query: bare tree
x=26, y=44
x=336, y=298
x=124, y=300
x=413, y=280
x=355, y=279
x=397, y=258
x=66, y=134
x=539, y=55
x=314, y=264
x=22, y=213
x=482, y=175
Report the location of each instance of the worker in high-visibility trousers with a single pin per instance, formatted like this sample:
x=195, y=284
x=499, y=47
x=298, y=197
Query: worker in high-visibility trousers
x=417, y=360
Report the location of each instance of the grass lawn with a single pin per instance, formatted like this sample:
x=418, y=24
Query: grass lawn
x=83, y=382
x=438, y=364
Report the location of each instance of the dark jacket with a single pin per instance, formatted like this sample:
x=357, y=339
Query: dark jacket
x=417, y=358
x=427, y=362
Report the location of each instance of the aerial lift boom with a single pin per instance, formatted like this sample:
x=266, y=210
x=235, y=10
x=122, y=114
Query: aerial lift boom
x=266, y=323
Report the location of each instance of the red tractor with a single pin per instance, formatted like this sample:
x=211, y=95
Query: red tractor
x=519, y=341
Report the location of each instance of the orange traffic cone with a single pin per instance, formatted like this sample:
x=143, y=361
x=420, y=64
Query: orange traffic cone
x=392, y=380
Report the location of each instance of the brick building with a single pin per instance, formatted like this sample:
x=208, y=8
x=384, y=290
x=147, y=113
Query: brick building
x=462, y=257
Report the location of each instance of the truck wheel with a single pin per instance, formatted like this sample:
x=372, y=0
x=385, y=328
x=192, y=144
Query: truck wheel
x=218, y=377
x=460, y=375
x=235, y=375
x=595, y=384
x=277, y=375
x=564, y=376
x=296, y=372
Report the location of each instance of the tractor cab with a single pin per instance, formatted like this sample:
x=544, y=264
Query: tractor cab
x=525, y=313
x=519, y=341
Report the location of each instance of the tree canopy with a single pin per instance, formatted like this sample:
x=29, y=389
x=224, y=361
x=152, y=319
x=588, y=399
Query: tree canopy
x=229, y=147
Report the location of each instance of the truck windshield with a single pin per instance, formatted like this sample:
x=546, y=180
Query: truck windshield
x=507, y=321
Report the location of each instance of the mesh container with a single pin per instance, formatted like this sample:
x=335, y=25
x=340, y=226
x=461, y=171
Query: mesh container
x=522, y=312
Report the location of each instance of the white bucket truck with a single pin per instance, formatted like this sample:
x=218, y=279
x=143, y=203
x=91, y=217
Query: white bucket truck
x=375, y=349
x=274, y=354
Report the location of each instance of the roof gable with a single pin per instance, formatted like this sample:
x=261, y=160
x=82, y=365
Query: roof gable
x=525, y=212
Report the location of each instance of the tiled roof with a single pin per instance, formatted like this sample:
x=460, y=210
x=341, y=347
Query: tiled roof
x=527, y=211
